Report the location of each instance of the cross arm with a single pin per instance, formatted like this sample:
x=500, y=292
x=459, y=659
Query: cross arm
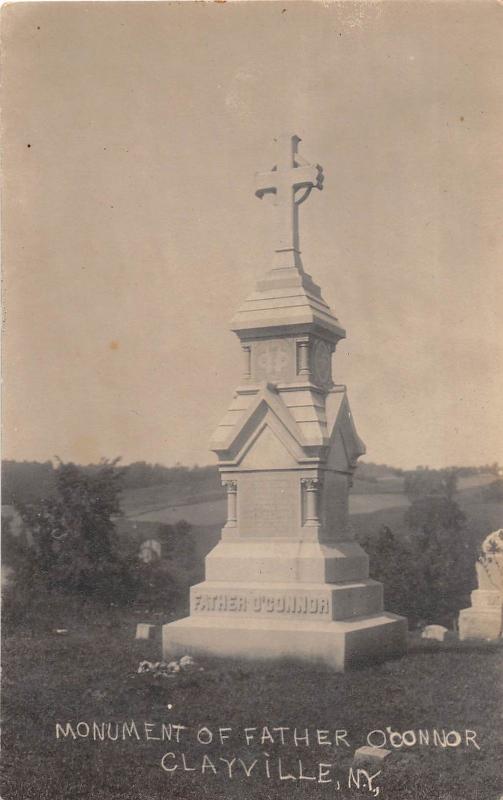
x=265, y=183
x=308, y=176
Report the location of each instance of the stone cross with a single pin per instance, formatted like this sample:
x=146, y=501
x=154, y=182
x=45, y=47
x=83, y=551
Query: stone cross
x=290, y=174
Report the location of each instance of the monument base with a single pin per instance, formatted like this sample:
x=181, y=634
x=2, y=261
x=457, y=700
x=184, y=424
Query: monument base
x=484, y=619
x=474, y=623
x=337, y=644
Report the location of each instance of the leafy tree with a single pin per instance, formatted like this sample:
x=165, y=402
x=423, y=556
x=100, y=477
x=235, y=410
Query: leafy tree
x=442, y=547
x=178, y=543
x=391, y=563
x=429, y=516
x=493, y=492
x=429, y=573
x=444, y=553
x=74, y=545
x=424, y=482
x=164, y=582
x=26, y=481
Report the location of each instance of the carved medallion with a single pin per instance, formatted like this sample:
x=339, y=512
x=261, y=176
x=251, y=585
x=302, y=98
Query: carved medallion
x=273, y=360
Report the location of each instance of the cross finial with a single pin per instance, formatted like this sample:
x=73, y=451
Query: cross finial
x=291, y=174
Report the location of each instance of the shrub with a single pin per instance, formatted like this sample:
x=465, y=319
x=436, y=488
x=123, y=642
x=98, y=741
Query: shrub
x=493, y=493
x=164, y=583
x=178, y=543
x=73, y=546
x=426, y=483
x=392, y=563
x=429, y=574
x=445, y=555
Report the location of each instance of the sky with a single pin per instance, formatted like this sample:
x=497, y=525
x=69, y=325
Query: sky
x=131, y=233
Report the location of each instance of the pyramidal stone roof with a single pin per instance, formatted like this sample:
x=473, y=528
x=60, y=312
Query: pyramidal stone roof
x=286, y=298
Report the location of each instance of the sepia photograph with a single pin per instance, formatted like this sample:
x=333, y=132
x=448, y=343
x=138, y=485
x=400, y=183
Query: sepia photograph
x=252, y=428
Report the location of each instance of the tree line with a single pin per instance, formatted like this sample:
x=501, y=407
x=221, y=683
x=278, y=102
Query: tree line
x=28, y=481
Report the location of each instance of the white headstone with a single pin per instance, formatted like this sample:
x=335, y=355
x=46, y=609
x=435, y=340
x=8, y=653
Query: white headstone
x=484, y=619
x=489, y=566
x=150, y=550
x=437, y=632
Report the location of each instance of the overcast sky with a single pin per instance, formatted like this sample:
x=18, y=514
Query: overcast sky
x=131, y=234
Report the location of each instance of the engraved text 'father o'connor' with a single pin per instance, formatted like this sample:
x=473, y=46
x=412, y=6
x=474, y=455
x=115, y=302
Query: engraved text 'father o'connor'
x=260, y=604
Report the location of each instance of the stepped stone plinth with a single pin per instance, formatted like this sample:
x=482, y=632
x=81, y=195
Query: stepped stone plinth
x=287, y=578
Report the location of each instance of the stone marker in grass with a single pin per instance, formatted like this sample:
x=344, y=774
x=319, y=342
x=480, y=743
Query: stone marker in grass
x=370, y=755
x=287, y=578
x=436, y=632
x=145, y=631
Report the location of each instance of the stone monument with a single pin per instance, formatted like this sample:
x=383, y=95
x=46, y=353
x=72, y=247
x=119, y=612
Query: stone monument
x=484, y=619
x=287, y=578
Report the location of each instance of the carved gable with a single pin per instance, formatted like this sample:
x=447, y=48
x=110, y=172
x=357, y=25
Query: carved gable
x=265, y=425
x=345, y=445
x=270, y=450
x=337, y=456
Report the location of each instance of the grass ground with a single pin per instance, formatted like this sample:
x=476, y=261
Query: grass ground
x=90, y=674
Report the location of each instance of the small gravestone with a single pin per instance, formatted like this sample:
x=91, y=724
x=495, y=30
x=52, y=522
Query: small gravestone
x=145, y=631
x=437, y=632
x=370, y=755
x=484, y=619
x=150, y=550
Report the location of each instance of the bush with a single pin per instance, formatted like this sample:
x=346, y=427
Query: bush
x=70, y=543
x=162, y=585
x=21, y=589
x=392, y=563
x=445, y=555
x=493, y=493
x=427, y=576
x=178, y=543
x=425, y=483
x=26, y=481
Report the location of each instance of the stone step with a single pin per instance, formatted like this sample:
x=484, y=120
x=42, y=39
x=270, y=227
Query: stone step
x=274, y=561
x=487, y=598
x=480, y=623
x=301, y=601
x=335, y=644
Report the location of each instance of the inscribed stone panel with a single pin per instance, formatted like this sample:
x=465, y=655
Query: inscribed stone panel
x=268, y=505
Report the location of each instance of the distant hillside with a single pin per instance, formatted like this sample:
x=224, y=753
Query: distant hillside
x=28, y=481
x=162, y=504
x=150, y=488
x=156, y=495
